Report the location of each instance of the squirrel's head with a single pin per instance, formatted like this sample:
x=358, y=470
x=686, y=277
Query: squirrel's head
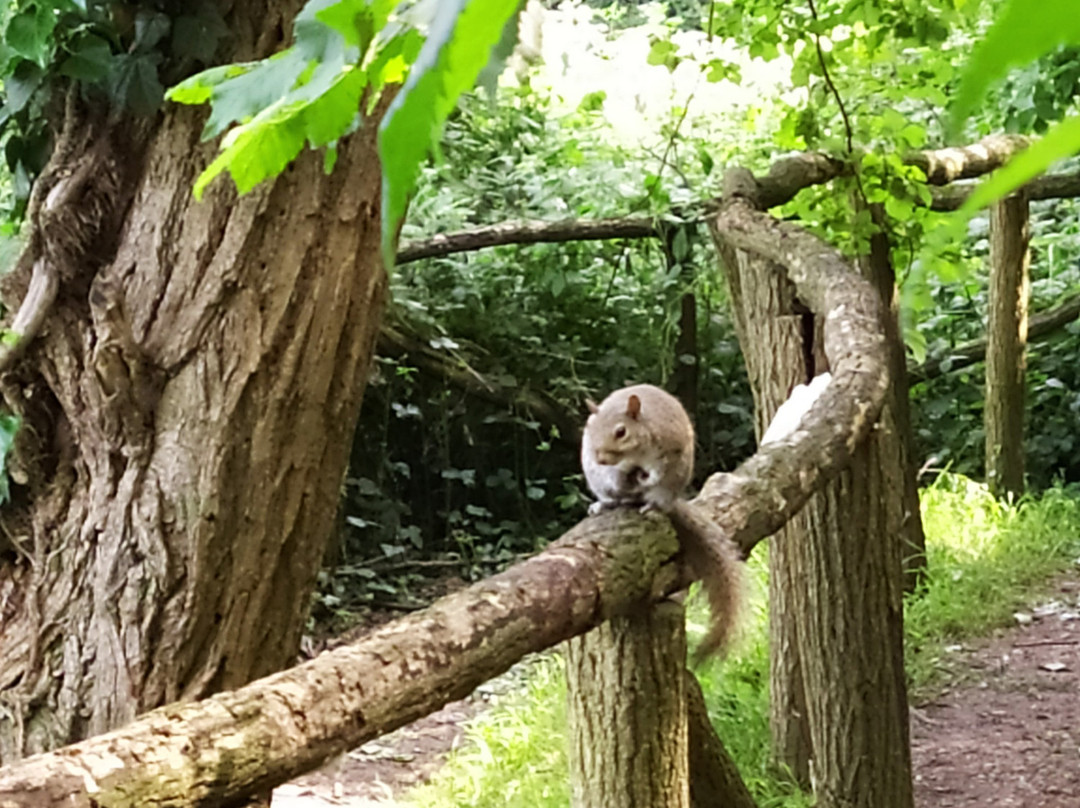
x=617, y=432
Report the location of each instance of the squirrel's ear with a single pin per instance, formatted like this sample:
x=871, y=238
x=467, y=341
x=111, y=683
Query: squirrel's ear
x=633, y=407
x=591, y=405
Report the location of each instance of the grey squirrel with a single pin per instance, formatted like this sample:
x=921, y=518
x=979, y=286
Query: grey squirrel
x=638, y=450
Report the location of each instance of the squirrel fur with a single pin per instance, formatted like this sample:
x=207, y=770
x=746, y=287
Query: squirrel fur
x=637, y=450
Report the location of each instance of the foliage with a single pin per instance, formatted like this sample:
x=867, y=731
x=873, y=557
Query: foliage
x=348, y=51
x=948, y=410
x=581, y=318
x=1032, y=98
x=570, y=320
x=1018, y=37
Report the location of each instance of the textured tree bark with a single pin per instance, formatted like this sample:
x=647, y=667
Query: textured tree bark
x=766, y=490
x=850, y=609
x=1006, y=344
x=714, y=778
x=896, y=441
x=627, y=711
x=770, y=331
x=192, y=400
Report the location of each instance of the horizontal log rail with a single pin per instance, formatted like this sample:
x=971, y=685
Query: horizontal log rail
x=785, y=178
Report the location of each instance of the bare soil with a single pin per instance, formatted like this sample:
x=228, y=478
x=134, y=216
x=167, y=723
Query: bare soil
x=1008, y=733
x=1005, y=733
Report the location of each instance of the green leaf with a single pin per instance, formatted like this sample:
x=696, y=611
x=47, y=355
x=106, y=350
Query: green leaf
x=90, y=58
x=21, y=85
x=133, y=81
x=504, y=48
x=150, y=28
x=28, y=34
x=356, y=20
x=663, y=52
x=1021, y=33
x=335, y=112
x=898, y=208
x=197, y=36
x=1061, y=141
x=257, y=150
x=458, y=46
x=247, y=93
x=199, y=89
x=314, y=38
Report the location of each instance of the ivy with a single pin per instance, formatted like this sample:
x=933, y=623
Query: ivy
x=119, y=53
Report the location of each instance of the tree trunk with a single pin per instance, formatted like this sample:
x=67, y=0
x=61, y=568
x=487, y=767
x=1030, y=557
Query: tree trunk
x=192, y=398
x=850, y=608
x=685, y=380
x=895, y=436
x=771, y=333
x=1006, y=343
x=714, y=778
x=627, y=711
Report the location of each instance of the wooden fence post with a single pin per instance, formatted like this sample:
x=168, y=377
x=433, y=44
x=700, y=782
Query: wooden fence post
x=1006, y=343
x=627, y=711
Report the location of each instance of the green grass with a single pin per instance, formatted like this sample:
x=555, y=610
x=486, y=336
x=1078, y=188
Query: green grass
x=514, y=755
x=986, y=560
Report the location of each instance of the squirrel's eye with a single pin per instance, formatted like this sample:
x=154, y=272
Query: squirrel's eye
x=620, y=432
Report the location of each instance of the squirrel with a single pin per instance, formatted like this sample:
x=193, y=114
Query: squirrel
x=637, y=450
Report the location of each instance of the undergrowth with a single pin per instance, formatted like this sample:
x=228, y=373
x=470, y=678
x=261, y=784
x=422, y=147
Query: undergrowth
x=986, y=559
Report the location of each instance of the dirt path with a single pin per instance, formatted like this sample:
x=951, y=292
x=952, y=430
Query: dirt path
x=1006, y=734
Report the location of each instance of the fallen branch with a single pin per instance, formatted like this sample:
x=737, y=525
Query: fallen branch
x=1044, y=643
x=224, y=748
x=395, y=343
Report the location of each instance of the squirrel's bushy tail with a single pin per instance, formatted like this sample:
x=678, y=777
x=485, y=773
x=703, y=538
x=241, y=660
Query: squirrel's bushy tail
x=713, y=557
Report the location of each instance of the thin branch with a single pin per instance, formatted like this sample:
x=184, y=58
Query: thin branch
x=1043, y=643
x=969, y=353
x=786, y=177
x=527, y=232
x=456, y=372
x=829, y=83
x=33, y=311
